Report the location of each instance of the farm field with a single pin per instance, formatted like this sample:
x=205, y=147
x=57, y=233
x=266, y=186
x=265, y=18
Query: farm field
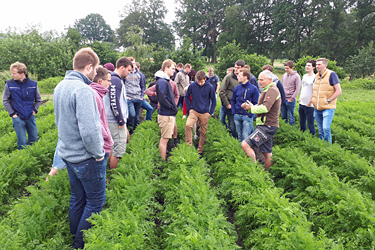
x=315, y=196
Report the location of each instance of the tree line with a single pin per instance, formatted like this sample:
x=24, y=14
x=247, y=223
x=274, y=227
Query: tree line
x=341, y=30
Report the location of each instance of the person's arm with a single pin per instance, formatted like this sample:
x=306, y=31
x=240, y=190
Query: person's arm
x=213, y=100
x=338, y=92
x=175, y=92
x=233, y=102
x=114, y=97
x=88, y=119
x=218, y=85
x=187, y=98
x=143, y=84
x=7, y=102
x=38, y=100
x=161, y=92
x=223, y=91
x=297, y=89
x=151, y=91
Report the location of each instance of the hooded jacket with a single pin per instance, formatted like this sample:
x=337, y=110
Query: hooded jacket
x=115, y=102
x=21, y=98
x=77, y=119
x=201, y=98
x=241, y=94
x=99, y=92
x=165, y=96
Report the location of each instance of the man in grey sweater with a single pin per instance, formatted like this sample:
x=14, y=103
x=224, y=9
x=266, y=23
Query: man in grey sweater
x=81, y=141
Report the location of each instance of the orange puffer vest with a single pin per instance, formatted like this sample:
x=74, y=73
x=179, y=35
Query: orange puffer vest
x=322, y=91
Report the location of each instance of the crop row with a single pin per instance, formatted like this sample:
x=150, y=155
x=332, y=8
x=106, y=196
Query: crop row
x=265, y=218
x=345, y=164
x=23, y=167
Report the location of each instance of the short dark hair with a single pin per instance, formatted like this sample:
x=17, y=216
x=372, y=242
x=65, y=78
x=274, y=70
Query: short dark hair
x=290, y=64
x=101, y=73
x=246, y=73
x=240, y=63
x=267, y=67
x=180, y=65
x=312, y=61
x=123, y=61
x=200, y=75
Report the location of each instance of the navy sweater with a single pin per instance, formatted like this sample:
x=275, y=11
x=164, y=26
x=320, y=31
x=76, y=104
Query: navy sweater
x=242, y=93
x=165, y=95
x=201, y=98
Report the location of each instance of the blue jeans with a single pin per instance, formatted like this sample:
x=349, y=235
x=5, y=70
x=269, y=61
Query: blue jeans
x=23, y=126
x=146, y=106
x=231, y=124
x=306, y=114
x=87, y=182
x=223, y=115
x=287, y=112
x=244, y=126
x=323, y=121
x=134, y=107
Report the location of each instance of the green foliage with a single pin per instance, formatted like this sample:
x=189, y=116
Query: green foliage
x=265, y=219
x=232, y=52
x=47, y=86
x=188, y=54
x=94, y=28
x=105, y=52
x=300, y=66
x=362, y=64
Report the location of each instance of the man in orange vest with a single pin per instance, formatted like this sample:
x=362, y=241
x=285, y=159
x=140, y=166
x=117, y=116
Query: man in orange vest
x=326, y=90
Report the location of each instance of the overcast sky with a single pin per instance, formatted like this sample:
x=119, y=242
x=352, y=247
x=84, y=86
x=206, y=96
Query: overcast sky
x=58, y=15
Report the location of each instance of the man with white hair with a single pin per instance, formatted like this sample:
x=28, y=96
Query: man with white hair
x=267, y=113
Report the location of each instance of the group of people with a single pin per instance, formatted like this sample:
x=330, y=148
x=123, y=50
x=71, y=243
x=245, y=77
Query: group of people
x=95, y=105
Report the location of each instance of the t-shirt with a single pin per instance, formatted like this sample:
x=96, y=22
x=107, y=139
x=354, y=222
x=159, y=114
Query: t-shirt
x=307, y=89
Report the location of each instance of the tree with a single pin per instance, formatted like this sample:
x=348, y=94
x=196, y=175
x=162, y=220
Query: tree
x=188, y=54
x=202, y=22
x=149, y=16
x=105, y=52
x=94, y=28
x=362, y=64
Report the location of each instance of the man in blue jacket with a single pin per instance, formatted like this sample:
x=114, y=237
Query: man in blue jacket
x=21, y=98
x=202, y=95
x=81, y=142
x=168, y=108
x=242, y=93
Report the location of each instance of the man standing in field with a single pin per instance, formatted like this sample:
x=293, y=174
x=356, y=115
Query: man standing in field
x=168, y=109
x=202, y=95
x=116, y=108
x=306, y=113
x=267, y=113
x=276, y=81
x=21, y=98
x=242, y=93
x=81, y=141
x=226, y=90
x=182, y=81
x=292, y=84
x=325, y=92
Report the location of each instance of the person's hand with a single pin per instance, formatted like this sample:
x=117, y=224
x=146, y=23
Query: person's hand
x=120, y=127
x=154, y=94
x=289, y=100
x=14, y=116
x=100, y=159
x=229, y=106
x=308, y=104
x=141, y=99
x=34, y=112
x=127, y=135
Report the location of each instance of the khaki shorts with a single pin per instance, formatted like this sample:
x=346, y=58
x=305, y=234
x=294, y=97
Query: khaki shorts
x=119, y=137
x=166, y=124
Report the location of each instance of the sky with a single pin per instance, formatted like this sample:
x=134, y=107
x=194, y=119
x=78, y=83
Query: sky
x=58, y=15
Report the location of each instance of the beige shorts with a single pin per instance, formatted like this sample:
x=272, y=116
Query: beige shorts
x=119, y=137
x=166, y=124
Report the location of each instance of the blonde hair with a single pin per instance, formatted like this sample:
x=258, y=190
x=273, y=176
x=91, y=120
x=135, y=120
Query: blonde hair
x=167, y=64
x=21, y=68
